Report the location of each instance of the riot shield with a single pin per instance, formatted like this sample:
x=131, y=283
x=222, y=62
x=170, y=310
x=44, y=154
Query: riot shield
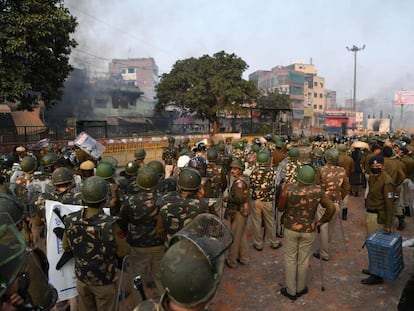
x=22, y=271
x=89, y=145
x=135, y=283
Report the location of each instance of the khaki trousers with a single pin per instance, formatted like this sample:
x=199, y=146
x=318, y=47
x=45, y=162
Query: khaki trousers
x=238, y=249
x=327, y=230
x=263, y=214
x=297, y=251
x=149, y=258
x=372, y=223
x=99, y=298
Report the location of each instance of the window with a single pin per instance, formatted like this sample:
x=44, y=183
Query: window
x=315, y=106
x=315, y=95
x=320, y=107
x=320, y=95
x=123, y=70
x=315, y=83
x=131, y=69
x=321, y=84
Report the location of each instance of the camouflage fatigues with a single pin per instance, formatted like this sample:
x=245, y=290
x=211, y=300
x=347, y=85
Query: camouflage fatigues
x=300, y=207
x=94, y=247
x=176, y=211
x=262, y=190
x=239, y=154
x=140, y=217
x=300, y=203
x=218, y=179
x=335, y=184
x=292, y=166
x=170, y=155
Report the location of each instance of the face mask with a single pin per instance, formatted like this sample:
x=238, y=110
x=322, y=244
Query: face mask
x=376, y=170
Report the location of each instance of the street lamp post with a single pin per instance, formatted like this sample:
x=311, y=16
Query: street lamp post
x=355, y=50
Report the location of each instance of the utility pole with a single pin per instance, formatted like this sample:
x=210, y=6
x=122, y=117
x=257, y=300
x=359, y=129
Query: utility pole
x=355, y=50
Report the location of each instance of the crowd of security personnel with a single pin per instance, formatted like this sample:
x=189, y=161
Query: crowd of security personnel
x=291, y=189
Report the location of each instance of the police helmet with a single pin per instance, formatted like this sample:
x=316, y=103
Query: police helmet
x=263, y=157
x=94, y=190
x=131, y=168
x=28, y=164
x=62, y=175
x=157, y=166
x=147, y=178
x=105, y=169
x=193, y=265
x=212, y=155
x=49, y=159
x=293, y=153
x=140, y=154
x=306, y=175
x=189, y=179
x=237, y=163
x=332, y=156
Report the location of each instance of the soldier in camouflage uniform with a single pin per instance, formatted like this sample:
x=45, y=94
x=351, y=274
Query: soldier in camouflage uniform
x=239, y=151
x=127, y=184
x=140, y=155
x=139, y=220
x=345, y=161
x=224, y=158
x=64, y=191
x=290, y=164
x=190, y=277
x=106, y=170
x=179, y=207
x=335, y=183
x=216, y=173
x=300, y=201
x=236, y=214
x=165, y=185
x=97, y=242
x=170, y=156
x=262, y=190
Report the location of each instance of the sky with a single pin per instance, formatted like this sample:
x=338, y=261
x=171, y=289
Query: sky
x=264, y=33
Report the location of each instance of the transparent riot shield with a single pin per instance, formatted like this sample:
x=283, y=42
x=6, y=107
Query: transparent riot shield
x=22, y=272
x=88, y=144
x=135, y=282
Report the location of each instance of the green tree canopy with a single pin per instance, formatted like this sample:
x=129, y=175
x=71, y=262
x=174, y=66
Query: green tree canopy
x=35, y=44
x=273, y=100
x=206, y=86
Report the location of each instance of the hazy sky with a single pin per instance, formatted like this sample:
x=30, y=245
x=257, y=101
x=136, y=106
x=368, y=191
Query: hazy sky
x=264, y=33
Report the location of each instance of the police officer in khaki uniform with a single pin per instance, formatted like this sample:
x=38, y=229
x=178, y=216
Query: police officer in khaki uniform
x=262, y=188
x=345, y=161
x=238, y=209
x=97, y=242
x=300, y=201
x=379, y=206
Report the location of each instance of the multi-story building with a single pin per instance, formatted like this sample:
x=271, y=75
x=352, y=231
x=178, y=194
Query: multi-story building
x=143, y=72
x=305, y=88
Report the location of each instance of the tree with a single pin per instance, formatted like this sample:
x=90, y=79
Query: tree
x=207, y=86
x=35, y=45
x=272, y=102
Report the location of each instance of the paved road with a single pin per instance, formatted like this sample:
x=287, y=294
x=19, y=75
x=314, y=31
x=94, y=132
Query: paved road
x=256, y=286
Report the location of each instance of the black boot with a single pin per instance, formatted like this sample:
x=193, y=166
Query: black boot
x=344, y=213
x=401, y=223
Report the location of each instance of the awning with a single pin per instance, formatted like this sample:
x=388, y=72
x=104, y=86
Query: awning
x=30, y=120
